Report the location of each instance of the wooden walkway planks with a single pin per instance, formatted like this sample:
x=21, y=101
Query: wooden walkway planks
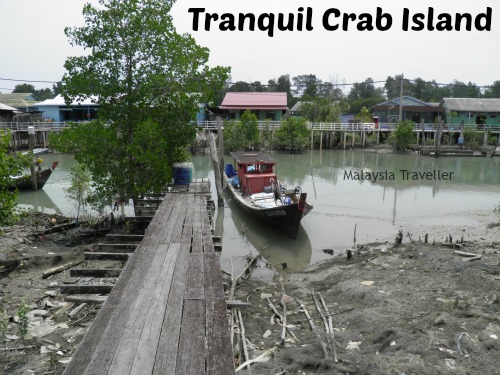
x=167, y=312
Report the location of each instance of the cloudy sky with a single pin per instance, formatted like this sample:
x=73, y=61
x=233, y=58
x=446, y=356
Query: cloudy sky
x=33, y=45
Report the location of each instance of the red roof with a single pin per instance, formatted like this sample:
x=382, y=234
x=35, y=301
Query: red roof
x=255, y=100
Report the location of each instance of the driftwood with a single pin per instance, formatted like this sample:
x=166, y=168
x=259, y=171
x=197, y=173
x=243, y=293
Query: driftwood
x=283, y=329
x=75, y=311
x=465, y=254
x=280, y=317
x=59, y=228
x=243, y=339
x=330, y=327
x=55, y=270
x=264, y=357
x=244, y=274
x=237, y=304
x=331, y=343
x=303, y=308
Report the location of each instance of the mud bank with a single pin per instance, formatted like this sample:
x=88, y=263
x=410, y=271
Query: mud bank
x=415, y=308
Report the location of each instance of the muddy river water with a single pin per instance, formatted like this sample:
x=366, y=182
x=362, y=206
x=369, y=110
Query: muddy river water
x=376, y=193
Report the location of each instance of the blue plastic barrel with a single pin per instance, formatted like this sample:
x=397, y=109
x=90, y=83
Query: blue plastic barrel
x=183, y=173
x=229, y=170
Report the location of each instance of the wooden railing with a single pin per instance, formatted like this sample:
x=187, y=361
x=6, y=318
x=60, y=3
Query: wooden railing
x=39, y=126
x=263, y=125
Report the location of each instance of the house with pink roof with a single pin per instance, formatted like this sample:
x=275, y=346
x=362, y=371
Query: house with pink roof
x=266, y=105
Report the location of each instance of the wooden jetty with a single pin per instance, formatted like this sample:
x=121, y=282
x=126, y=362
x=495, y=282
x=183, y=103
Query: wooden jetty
x=166, y=314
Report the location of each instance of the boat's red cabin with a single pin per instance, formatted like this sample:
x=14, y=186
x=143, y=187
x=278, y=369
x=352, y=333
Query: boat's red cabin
x=255, y=171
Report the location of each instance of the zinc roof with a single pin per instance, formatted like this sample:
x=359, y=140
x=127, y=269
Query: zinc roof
x=254, y=100
x=472, y=104
x=58, y=101
x=19, y=100
x=5, y=107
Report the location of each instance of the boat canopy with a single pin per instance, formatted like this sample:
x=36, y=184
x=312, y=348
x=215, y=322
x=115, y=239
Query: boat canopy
x=252, y=158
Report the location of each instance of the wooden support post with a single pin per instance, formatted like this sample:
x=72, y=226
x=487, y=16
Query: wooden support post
x=215, y=161
x=332, y=140
x=218, y=121
x=353, y=139
x=345, y=139
x=31, y=143
x=321, y=140
x=485, y=138
x=312, y=137
x=378, y=137
x=437, y=139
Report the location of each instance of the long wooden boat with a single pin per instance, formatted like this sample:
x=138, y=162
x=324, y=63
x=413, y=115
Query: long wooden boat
x=24, y=182
x=253, y=182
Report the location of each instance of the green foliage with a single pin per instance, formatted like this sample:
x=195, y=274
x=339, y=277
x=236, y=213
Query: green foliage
x=322, y=110
x=403, y=136
x=267, y=134
x=9, y=166
x=364, y=115
x=22, y=313
x=148, y=80
x=293, y=134
x=250, y=127
x=472, y=139
x=80, y=186
x=41, y=94
x=234, y=139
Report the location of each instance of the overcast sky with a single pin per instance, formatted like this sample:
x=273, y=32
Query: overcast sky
x=33, y=45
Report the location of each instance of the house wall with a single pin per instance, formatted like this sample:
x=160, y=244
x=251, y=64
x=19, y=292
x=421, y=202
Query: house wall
x=50, y=113
x=488, y=118
x=262, y=115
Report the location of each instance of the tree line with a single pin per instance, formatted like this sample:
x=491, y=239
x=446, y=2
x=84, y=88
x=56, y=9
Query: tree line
x=309, y=87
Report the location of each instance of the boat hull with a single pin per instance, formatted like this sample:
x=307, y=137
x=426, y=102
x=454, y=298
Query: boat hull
x=286, y=217
x=24, y=182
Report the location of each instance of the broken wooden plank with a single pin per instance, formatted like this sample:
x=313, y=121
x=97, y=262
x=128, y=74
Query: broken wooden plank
x=237, y=304
x=124, y=238
x=85, y=289
x=61, y=268
x=139, y=219
x=95, y=272
x=115, y=247
x=107, y=256
x=95, y=299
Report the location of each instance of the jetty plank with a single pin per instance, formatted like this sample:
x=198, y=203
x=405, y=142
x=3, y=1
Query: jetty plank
x=132, y=274
x=85, y=289
x=167, y=313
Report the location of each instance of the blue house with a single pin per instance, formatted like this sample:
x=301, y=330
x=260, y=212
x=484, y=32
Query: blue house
x=58, y=111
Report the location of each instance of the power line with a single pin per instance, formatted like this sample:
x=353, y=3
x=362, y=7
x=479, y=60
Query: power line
x=327, y=84
x=26, y=80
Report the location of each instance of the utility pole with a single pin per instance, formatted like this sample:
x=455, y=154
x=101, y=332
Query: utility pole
x=401, y=99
